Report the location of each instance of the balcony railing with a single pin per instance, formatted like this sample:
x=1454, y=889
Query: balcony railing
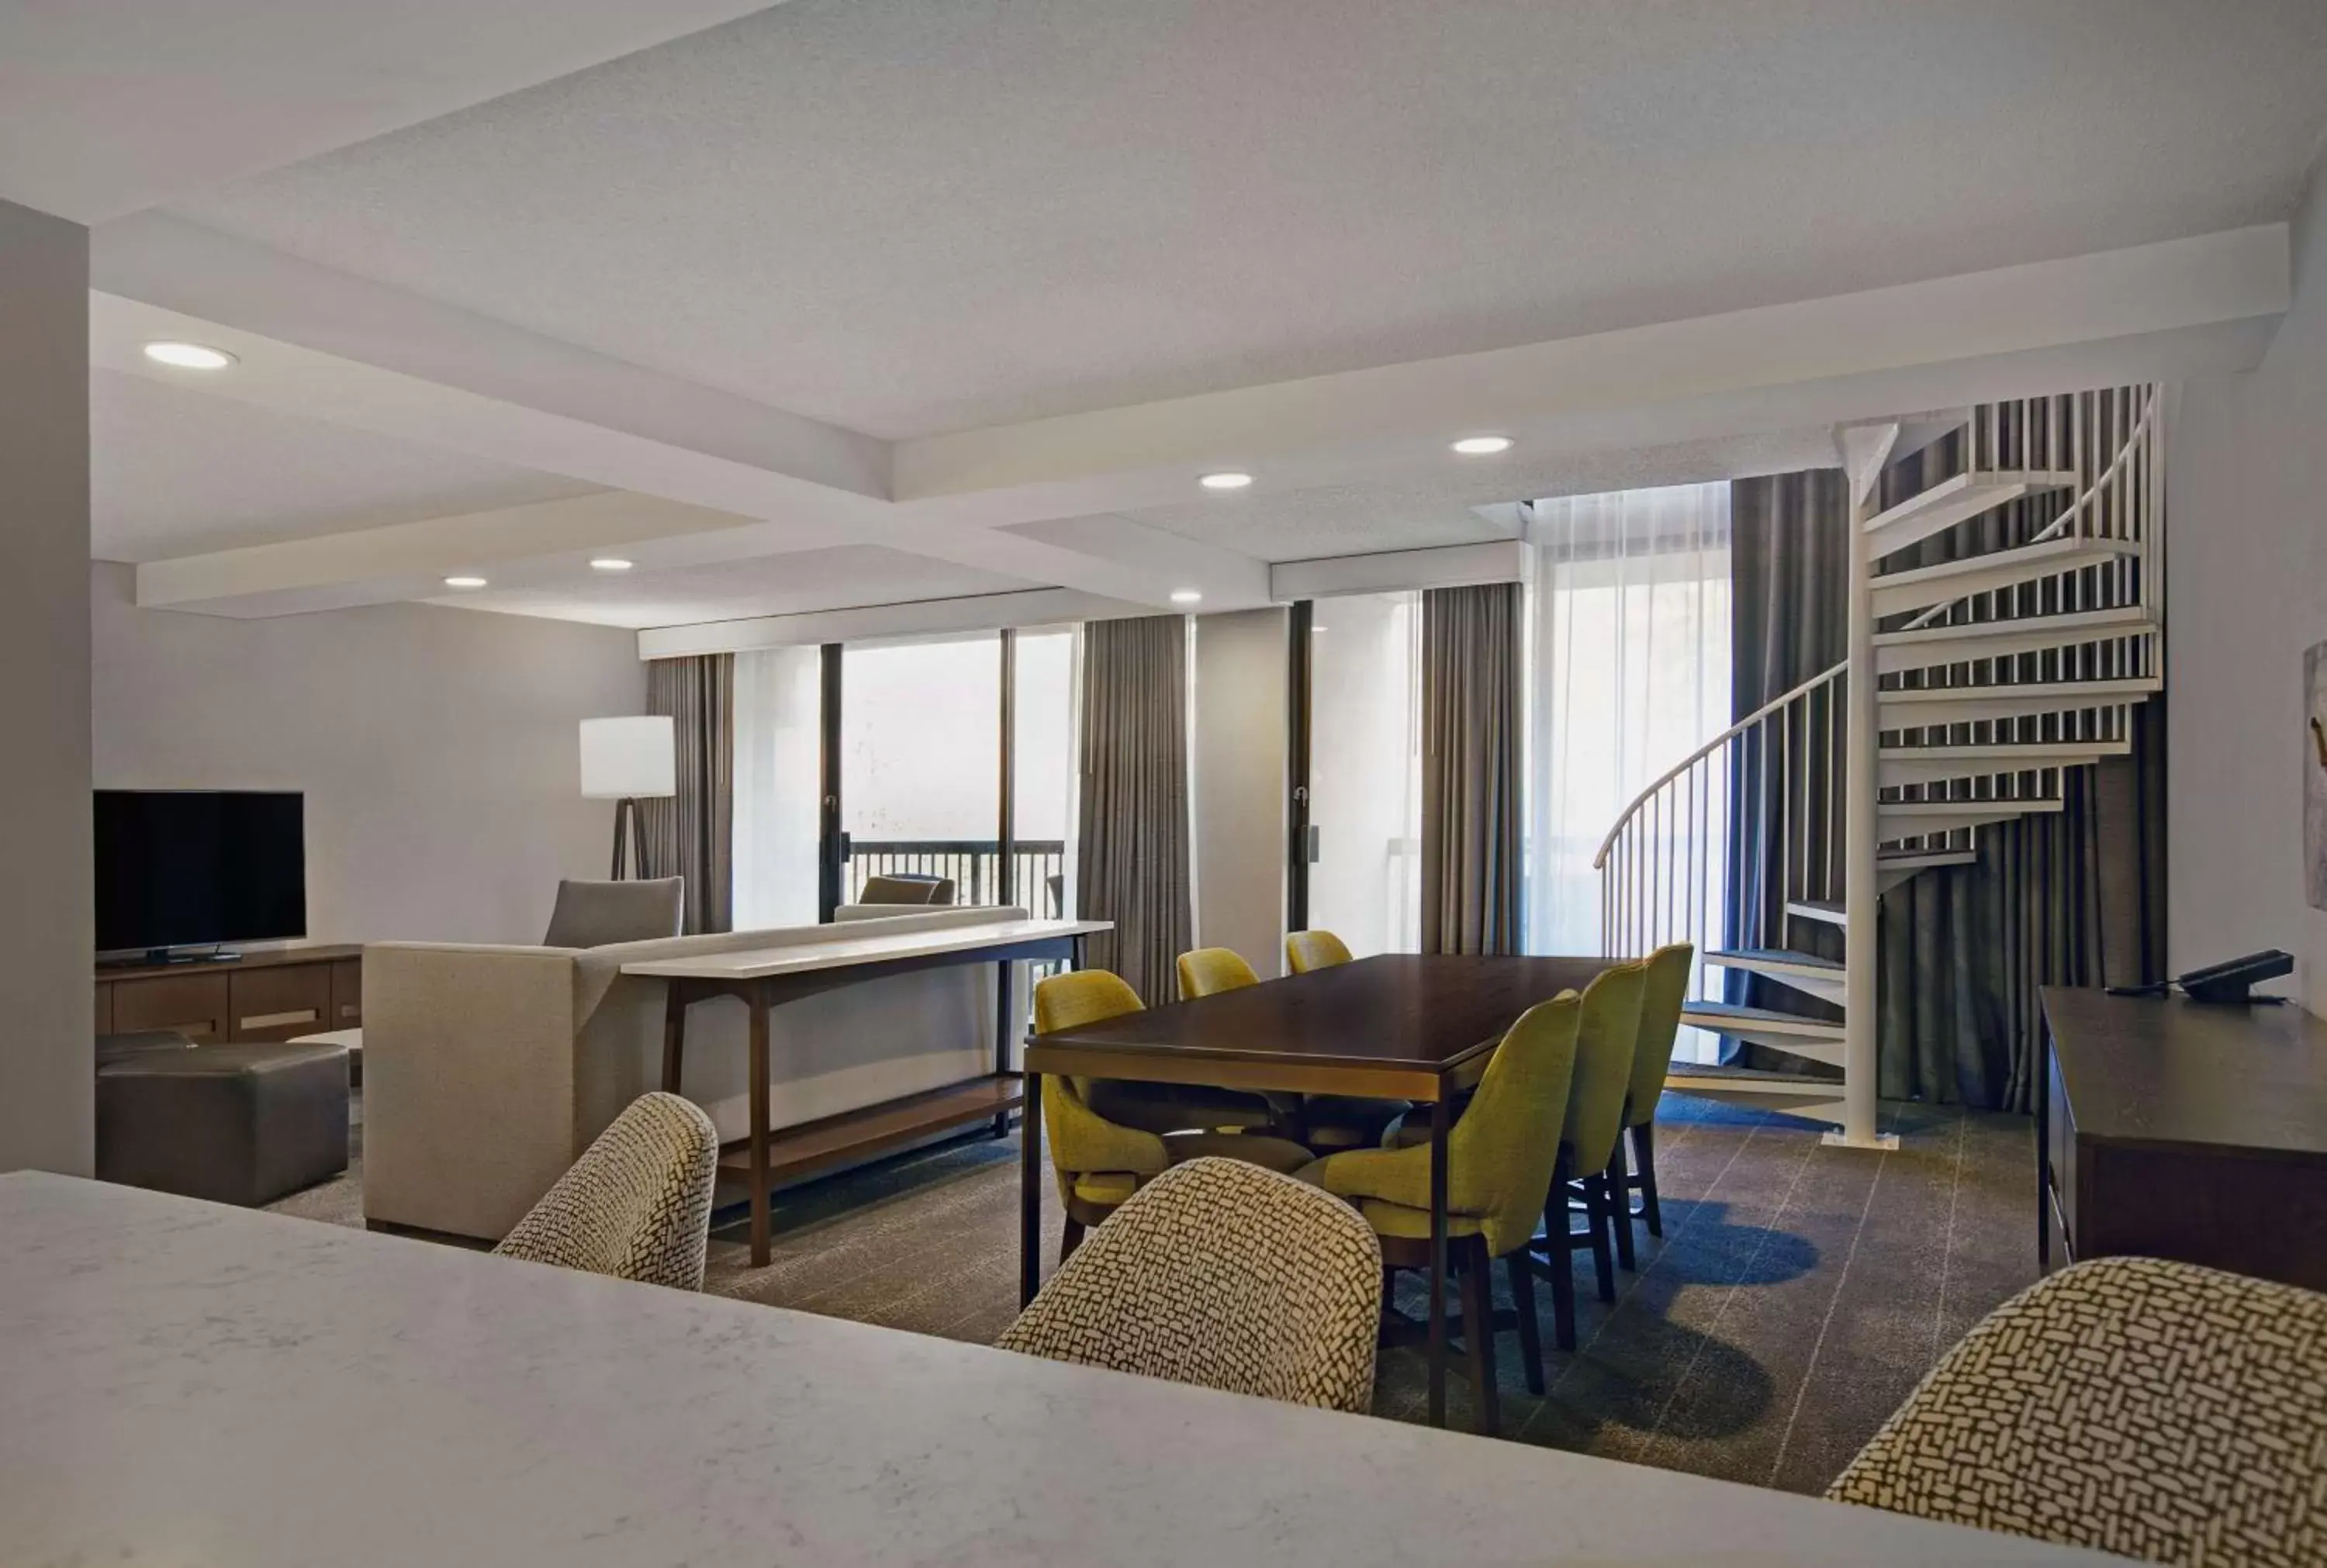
x=1038, y=868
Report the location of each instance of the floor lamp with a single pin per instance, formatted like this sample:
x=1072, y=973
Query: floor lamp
x=627, y=761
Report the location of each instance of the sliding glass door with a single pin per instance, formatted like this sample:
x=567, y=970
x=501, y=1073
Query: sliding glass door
x=921, y=763
x=1364, y=772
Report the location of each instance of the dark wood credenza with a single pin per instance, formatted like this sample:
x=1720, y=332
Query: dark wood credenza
x=2186, y=1130
x=269, y=995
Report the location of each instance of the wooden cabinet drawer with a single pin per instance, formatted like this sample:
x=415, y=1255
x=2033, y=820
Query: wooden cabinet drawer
x=196, y=1005
x=346, y=992
x=281, y=1001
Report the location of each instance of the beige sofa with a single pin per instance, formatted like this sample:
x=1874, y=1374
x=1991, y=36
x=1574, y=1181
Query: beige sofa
x=488, y=1069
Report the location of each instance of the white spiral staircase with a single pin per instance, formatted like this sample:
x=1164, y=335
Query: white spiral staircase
x=1968, y=691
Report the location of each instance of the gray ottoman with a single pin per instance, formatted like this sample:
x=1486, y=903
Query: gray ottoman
x=235, y=1123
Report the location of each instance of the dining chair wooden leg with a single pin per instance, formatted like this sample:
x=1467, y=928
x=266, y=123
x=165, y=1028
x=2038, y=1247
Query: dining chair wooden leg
x=1619, y=1208
x=1644, y=1155
x=1479, y=1333
x=1521, y=1270
x=1597, y=1219
x=1071, y=1236
x=1559, y=1245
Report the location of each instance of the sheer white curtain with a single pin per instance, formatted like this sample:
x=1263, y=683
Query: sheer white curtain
x=1630, y=672
x=778, y=705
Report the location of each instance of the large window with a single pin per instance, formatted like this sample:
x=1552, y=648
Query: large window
x=1365, y=771
x=778, y=762
x=920, y=761
x=1631, y=676
x=916, y=739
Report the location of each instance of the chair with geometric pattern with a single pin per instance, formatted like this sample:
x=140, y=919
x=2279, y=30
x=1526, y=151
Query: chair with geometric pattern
x=1221, y=1274
x=637, y=1204
x=2156, y=1410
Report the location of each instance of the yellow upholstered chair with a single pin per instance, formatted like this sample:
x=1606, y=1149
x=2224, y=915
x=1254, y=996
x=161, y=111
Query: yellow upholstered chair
x=1108, y=1137
x=1611, y=1020
x=1501, y=1159
x=1307, y=950
x=1661, y=997
x=1208, y=971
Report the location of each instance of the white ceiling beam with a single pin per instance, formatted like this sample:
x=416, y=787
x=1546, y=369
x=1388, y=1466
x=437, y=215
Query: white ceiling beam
x=1035, y=501
x=105, y=109
x=1398, y=571
x=924, y=617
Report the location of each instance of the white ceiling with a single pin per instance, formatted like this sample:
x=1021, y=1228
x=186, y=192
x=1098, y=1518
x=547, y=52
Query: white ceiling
x=908, y=217
x=842, y=578
x=109, y=106
x=1359, y=518
x=174, y=471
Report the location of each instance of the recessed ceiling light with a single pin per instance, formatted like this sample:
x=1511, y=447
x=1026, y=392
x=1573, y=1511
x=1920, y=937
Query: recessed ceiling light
x=1186, y=596
x=610, y=563
x=1225, y=480
x=1483, y=445
x=189, y=356
x=464, y=581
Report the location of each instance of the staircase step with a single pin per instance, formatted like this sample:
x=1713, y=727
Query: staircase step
x=1825, y=910
x=1905, y=765
x=1812, y=1038
x=1929, y=647
x=1896, y=593
x=1897, y=866
x=1911, y=710
x=1805, y=972
x=1797, y=1094
x=1954, y=500
x=1895, y=820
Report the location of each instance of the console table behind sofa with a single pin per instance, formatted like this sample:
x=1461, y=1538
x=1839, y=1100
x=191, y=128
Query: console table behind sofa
x=488, y=1069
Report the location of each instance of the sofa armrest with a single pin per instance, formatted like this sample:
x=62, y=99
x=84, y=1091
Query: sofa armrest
x=467, y=1083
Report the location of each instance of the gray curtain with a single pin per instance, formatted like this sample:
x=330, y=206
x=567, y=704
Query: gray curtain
x=1132, y=849
x=690, y=834
x=2075, y=898
x=1470, y=741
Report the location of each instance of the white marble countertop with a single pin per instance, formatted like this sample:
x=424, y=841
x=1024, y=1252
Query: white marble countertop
x=842, y=952
x=188, y=1384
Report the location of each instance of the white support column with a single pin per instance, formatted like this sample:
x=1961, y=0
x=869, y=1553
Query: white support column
x=47, y=1092
x=1860, y=894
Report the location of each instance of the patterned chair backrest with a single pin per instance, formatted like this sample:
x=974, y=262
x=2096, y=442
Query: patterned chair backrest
x=1661, y=997
x=1210, y=970
x=1603, y=1063
x=1224, y=1274
x=637, y=1204
x=1307, y=950
x=2155, y=1410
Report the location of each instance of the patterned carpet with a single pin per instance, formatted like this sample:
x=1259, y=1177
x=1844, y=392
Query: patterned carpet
x=1799, y=1292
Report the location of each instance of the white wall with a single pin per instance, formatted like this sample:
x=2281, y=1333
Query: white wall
x=437, y=748
x=47, y=1114
x=2247, y=593
x=1238, y=757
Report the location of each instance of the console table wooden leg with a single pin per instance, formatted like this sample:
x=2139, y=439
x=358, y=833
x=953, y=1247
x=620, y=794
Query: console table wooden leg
x=759, y=1070
x=1003, y=1031
x=1030, y=1192
x=674, y=1033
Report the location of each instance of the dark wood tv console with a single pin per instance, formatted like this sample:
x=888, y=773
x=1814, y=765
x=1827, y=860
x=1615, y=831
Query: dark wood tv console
x=269, y=993
x=2185, y=1129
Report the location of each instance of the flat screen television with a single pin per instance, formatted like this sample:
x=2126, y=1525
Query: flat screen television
x=182, y=868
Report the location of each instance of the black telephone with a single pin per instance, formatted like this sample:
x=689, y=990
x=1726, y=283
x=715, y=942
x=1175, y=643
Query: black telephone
x=2231, y=981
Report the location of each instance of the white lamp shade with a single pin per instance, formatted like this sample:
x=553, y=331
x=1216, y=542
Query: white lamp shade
x=628, y=757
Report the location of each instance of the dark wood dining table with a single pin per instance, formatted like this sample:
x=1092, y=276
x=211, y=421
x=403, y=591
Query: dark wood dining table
x=1403, y=1026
